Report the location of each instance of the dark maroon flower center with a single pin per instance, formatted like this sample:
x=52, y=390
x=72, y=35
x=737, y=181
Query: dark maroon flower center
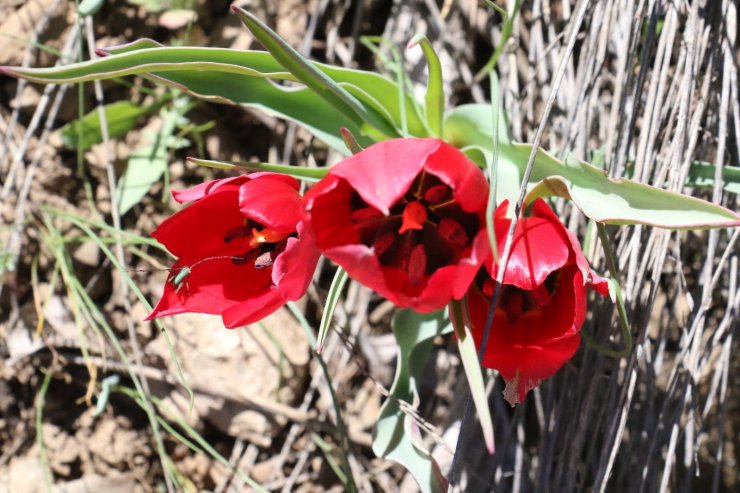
x=425, y=230
x=515, y=302
x=264, y=244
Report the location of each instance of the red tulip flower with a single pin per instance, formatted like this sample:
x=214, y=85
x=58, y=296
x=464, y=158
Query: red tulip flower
x=242, y=250
x=404, y=217
x=537, y=323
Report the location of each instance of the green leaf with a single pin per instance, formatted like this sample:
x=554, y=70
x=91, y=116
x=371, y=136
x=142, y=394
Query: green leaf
x=89, y=7
x=120, y=117
x=144, y=56
x=435, y=95
x=300, y=173
x=599, y=197
x=147, y=164
x=701, y=174
x=396, y=435
x=337, y=285
x=350, y=141
x=238, y=77
x=472, y=125
x=471, y=365
x=316, y=80
x=610, y=201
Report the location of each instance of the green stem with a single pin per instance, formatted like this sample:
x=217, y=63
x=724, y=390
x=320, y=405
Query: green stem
x=39, y=404
x=350, y=485
x=611, y=263
x=493, y=172
x=300, y=172
x=505, y=34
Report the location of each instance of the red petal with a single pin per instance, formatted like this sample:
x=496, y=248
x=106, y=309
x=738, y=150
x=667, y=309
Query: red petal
x=599, y=284
x=540, y=247
x=294, y=267
x=414, y=215
x=541, y=209
x=199, y=191
x=328, y=213
x=198, y=231
x=534, y=364
x=212, y=287
x=469, y=185
x=537, y=344
x=272, y=202
x=253, y=310
x=383, y=172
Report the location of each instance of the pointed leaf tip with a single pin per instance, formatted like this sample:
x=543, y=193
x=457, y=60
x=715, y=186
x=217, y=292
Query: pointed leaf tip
x=350, y=141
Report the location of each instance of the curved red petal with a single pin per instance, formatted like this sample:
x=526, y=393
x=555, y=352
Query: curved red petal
x=213, y=286
x=538, y=249
x=541, y=209
x=599, y=284
x=294, y=267
x=328, y=214
x=383, y=172
x=537, y=342
x=199, y=191
x=468, y=183
x=208, y=220
x=363, y=266
x=272, y=202
x=521, y=363
x=533, y=364
x=254, y=309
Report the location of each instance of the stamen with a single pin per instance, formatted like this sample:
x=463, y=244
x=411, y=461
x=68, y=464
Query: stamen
x=365, y=214
x=266, y=236
x=417, y=264
x=435, y=194
x=239, y=232
x=383, y=242
x=414, y=216
x=247, y=257
x=450, y=230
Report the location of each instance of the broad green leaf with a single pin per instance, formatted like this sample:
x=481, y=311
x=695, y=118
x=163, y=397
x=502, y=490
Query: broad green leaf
x=316, y=80
x=133, y=59
x=238, y=77
x=120, y=117
x=435, y=96
x=508, y=178
x=471, y=365
x=337, y=285
x=610, y=201
x=599, y=197
x=396, y=435
x=472, y=124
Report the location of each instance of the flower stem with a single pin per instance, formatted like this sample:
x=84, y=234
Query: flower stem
x=616, y=291
x=299, y=172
